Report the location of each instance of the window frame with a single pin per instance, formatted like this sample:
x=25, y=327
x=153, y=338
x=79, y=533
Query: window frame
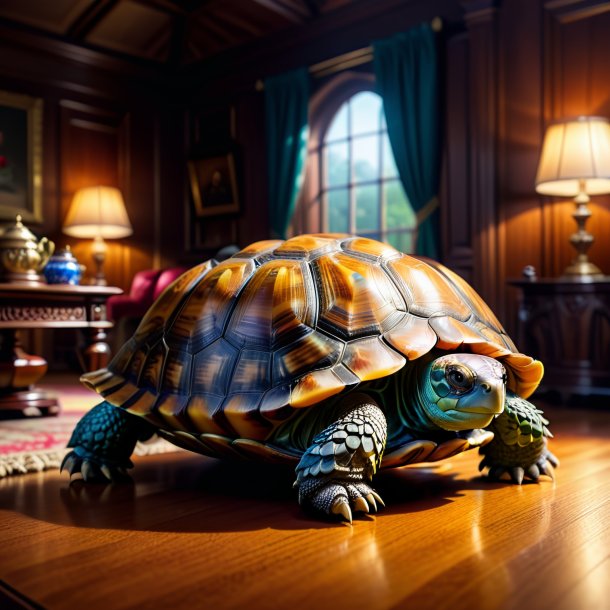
x=311, y=214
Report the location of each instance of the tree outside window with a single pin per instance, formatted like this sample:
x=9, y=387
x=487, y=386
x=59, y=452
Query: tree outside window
x=360, y=191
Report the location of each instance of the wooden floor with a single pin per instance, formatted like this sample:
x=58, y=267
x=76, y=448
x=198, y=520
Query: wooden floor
x=192, y=532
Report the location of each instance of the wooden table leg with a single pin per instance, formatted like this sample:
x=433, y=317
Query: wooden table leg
x=97, y=352
x=19, y=373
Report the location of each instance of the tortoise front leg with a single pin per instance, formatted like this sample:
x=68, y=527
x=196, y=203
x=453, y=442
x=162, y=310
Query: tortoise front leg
x=102, y=442
x=334, y=473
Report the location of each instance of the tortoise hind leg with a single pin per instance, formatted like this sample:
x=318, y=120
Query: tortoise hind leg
x=519, y=447
x=334, y=473
x=102, y=442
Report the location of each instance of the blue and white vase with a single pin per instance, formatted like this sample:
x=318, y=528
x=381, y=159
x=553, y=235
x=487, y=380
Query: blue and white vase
x=63, y=268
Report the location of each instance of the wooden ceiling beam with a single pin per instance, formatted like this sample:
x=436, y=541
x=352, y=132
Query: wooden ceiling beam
x=165, y=6
x=240, y=23
x=288, y=11
x=223, y=35
x=89, y=18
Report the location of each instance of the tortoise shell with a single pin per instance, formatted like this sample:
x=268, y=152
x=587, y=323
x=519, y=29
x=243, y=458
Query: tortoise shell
x=233, y=350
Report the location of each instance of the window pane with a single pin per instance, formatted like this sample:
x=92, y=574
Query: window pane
x=336, y=167
x=338, y=127
x=402, y=241
x=399, y=213
x=389, y=165
x=367, y=207
x=337, y=206
x=365, y=108
x=365, y=158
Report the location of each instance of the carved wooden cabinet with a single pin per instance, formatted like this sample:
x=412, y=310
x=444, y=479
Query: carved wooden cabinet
x=566, y=325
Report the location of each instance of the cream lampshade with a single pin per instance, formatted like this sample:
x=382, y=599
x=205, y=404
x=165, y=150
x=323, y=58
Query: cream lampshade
x=98, y=213
x=575, y=162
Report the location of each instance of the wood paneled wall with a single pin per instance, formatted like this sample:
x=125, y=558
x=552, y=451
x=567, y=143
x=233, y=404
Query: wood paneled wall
x=556, y=64
x=519, y=65
x=111, y=122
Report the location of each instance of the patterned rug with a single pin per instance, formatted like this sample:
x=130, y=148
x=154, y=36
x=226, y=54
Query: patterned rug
x=39, y=443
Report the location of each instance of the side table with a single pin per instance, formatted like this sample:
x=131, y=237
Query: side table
x=24, y=306
x=566, y=325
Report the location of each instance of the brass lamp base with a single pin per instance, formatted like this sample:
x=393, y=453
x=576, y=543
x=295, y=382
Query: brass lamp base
x=99, y=257
x=581, y=268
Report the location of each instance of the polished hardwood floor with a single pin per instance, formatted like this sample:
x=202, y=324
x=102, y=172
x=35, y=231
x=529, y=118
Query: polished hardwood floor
x=193, y=532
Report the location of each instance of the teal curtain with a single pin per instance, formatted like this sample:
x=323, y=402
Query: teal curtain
x=286, y=103
x=406, y=73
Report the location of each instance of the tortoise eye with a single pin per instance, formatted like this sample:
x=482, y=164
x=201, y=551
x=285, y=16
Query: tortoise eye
x=460, y=378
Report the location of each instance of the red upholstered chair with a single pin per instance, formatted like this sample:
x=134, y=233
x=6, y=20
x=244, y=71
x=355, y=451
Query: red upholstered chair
x=166, y=277
x=140, y=298
x=126, y=310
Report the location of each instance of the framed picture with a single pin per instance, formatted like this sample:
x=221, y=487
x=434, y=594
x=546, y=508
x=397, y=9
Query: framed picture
x=20, y=157
x=214, y=185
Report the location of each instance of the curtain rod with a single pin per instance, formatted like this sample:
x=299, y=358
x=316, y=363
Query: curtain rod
x=347, y=60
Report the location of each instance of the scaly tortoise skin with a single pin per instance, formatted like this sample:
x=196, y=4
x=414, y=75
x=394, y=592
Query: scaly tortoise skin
x=335, y=353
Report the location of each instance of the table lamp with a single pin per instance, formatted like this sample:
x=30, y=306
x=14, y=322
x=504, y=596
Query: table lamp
x=575, y=162
x=98, y=213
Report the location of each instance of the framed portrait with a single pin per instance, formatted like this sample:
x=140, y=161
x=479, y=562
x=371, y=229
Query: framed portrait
x=20, y=157
x=214, y=185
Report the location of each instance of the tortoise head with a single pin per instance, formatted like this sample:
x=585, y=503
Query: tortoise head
x=464, y=391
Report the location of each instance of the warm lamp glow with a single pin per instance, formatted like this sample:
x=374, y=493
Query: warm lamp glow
x=575, y=151
x=575, y=162
x=98, y=213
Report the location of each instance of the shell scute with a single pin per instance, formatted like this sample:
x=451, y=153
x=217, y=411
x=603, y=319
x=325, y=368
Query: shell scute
x=357, y=298
x=165, y=307
x=259, y=248
x=425, y=290
x=242, y=414
x=177, y=372
x=172, y=407
x=370, y=359
x=252, y=372
x=315, y=387
x=369, y=248
x=275, y=405
x=305, y=246
x=412, y=337
x=152, y=369
x=205, y=413
x=141, y=403
x=314, y=350
x=213, y=368
x=277, y=305
x=469, y=295
x=204, y=313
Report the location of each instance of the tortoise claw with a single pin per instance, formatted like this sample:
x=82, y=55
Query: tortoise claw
x=517, y=473
x=371, y=501
x=361, y=505
x=377, y=498
x=533, y=472
x=341, y=507
x=91, y=471
x=338, y=498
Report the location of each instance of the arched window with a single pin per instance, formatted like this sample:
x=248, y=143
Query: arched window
x=353, y=185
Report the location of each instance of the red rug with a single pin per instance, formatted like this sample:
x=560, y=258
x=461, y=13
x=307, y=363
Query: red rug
x=39, y=443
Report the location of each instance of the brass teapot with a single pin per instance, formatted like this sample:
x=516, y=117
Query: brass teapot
x=22, y=256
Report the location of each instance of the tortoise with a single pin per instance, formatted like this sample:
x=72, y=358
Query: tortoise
x=335, y=353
